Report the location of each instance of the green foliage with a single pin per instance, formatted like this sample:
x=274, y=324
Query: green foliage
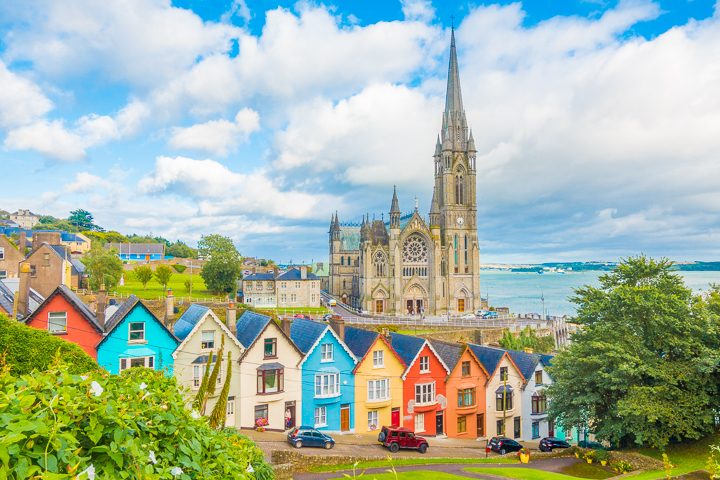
x=644, y=367
x=144, y=274
x=713, y=463
x=179, y=268
x=103, y=267
x=181, y=250
x=212, y=380
x=528, y=338
x=601, y=455
x=188, y=286
x=222, y=270
x=135, y=425
x=26, y=349
x=105, y=237
x=621, y=466
x=163, y=273
x=202, y=391
x=48, y=222
x=83, y=220
x=219, y=413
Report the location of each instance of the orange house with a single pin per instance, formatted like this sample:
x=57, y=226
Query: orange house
x=65, y=315
x=465, y=388
x=424, y=399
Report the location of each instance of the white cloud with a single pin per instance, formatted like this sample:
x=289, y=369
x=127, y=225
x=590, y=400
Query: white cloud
x=216, y=136
x=85, y=182
x=421, y=10
x=21, y=101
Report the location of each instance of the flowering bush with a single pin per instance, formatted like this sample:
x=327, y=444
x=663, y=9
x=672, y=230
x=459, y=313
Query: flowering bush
x=61, y=425
x=621, y=466
x=261, y=423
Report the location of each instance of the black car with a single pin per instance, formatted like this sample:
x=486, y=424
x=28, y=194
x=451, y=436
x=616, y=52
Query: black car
x=590, y=444
x=548, y=443
x=309, y=437
x=503, y=445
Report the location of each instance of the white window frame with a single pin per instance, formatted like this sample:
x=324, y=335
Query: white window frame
x=419, y=422
x=326, y=352
x=425, y=364
x=199, y=372
x=320, y=417
x=378, y=358
x=130, y=332
x=378, y=390
x=230, y=409
x=55, y=320
x=2, y=253
x=424, y=393
x=3, y=274
x=327, y=385
x=126, y=362
x=373, y=420
x=204, y=342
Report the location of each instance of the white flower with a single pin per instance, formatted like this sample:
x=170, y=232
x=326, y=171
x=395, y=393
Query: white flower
x=194, y=414
x=250, y=468
x=176, y=471
x=153, y=460
x=143, y=386
x=89, y=472
x=96, y=389
x=84, y=377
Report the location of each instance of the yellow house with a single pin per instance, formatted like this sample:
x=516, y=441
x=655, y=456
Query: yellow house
x=378, y=382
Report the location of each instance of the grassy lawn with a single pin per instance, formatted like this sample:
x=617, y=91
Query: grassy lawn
x=398, y=462
x=524, y=473
x=154, y=290
x=415, y=475
x=687, y=456
x=586, y=470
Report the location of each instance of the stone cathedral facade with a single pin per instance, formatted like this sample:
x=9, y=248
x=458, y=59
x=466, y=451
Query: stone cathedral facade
x=413, y=264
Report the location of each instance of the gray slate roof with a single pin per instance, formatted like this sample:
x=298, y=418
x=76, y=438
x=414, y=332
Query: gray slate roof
x=304, y=333
x=526, y=362
x=449, y=352
x=406, y=346
x=546, y=359
x=122, y=311
x=489, y=356
x=260, y=276
x=7, y=298
x=294, y=274
x=359, y=341
x=188, y=320
x=249, y=326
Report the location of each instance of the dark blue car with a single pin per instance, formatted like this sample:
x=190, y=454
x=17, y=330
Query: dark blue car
x=300, y=437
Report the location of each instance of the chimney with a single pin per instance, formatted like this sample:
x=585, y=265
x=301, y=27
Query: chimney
x=285, y=323
x=385, y=332
x=100, y=305
x=169, y=307
x=303, y=273
x=23, y=302
x=231, y=317
x=338, y=324
x=22, y=242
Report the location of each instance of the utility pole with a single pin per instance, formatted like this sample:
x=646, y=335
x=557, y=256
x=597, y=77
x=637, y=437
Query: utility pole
x=505, y=405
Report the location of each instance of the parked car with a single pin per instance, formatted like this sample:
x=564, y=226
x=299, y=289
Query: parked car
x=300, y=437
x=490, y=315
x=503, y=445
x=592, y=444
x=468, y=316
x=331, y=316
x=395, y=438
x=301, y=315
x=547, y=444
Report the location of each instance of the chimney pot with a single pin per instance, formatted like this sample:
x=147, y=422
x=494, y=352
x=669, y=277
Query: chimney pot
x=285, y=323
x=23, y=302
x=169, y=307
x=338, y=324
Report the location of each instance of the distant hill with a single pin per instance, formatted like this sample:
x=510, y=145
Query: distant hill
x=596, y=266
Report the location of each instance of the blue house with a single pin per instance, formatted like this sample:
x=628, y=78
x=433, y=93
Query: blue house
x=328, y=382
x=134, y=337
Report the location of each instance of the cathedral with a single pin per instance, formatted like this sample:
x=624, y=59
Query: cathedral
x=414, y=264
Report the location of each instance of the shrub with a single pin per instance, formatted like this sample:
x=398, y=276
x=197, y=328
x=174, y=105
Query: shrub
x=713, y=462
x=163, y=275
x=602, y=455
x=621, y=466
x=179, y=268
x=27, y=349
x=134, y=425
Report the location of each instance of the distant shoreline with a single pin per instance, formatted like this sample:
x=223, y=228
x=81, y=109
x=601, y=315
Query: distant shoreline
x=569, y=267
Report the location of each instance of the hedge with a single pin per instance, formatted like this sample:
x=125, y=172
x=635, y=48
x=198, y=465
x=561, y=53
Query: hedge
x=179, y=268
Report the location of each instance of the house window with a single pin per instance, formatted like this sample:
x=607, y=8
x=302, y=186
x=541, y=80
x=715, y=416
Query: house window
x=535, y=429
x=466, y=397
x=283, y=298
x=539, y=404
x=420, y=422
x=378, y=359
x=372, y=420
x=466, y=369
x=283, y=284
x=293, y=298
x=230, y=410
x=137, y=332
x=326, y=352
x=46, y=259
x=261, y=411
x=538, y=377
x=33, y=271
x=3, y=273
x=424, y=364
x=424, y=393
x=462, y=424
x=378, y=390
x=147, y=362
x=199, y=373
x=207, y=339
x=320, y=417
x=503, y=374
x=270, y=345
x=57, y=322
x=270, y=381
x=2, y=253
x=327, y=385
x=269, y=285
x=500, y=426
x=499, y=401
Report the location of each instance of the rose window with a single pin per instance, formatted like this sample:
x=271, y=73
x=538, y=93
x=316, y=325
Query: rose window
x=415, y=250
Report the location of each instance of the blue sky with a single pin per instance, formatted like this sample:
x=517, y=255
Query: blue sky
x=597, y=123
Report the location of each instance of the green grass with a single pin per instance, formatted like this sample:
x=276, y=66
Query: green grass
x=586, y=470
x=687, y=457
x=414, y=475
x=399, y=462
x=524, y=473
x=154, y=290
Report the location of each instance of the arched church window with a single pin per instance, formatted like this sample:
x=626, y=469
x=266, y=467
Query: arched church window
x=459, y=189
x=415, y=249
x=455, y=252
x=342, y=260
x=465, y=250
x=380, y=263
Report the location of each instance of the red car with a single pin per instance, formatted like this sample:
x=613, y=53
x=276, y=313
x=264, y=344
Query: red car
x=395, y=438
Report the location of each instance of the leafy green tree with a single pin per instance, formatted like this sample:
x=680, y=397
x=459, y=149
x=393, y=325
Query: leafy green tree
x=223, y=267
x=219, y=412
x=163, y=273
x=83, y=220
x=103, y=266
x=181, y=250
x=643, y=369
x=528, y=338
x=144, y=274
x=52, y=223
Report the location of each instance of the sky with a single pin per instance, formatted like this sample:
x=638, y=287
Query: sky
x=597, y=123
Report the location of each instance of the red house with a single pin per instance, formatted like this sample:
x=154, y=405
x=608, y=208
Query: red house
x=424, y=398
x=64, y=314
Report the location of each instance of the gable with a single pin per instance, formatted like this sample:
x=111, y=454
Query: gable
x=468, y=355
x=285, y=346
x=427, y=350
x=154, y=328
x=390, y=357
x=330, y=337
x=208, y=321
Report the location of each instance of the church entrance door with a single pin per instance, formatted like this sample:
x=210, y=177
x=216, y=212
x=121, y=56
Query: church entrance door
x=419, y=306
x=461, y=305
x=379, y=304
x=410, y=307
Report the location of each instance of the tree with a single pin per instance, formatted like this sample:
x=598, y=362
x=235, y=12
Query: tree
x=527, y=339
x=223, y=267
x=163, y=273
x=144, y=274
x=644, y=367
x=181, y=250
x=83, y=220
x=103, y=266
x=219, y=412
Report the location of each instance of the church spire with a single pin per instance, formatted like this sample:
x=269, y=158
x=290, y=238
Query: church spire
x=454, y=128
x=453, y=96
x=434, y=210
x=395, y=210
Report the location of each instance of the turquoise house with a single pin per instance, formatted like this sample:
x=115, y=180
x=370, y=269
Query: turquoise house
x=328, y=382
x=134, y=337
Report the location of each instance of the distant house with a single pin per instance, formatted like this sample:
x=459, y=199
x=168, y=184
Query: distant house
x=10, y=257
x=52, y=266
x=139, y=251
x=64, y=314
x=136, y=338
x=295, y=288
x=25, y=218
x=259, y=290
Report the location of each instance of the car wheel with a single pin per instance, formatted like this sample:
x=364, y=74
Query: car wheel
x=298, y=444
x=423, y=448
x=502, y=451
x=394, y=447
x=328, y=445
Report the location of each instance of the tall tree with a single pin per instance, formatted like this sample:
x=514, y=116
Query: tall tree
x=83, y=220
x=103, y=266
x=643, y=369
x=222, y=269
x=144, y=274
x=163, y=273
x=527, y=338
x=180, y=250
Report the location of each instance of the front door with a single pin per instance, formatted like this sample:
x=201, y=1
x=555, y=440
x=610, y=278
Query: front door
x=551, y=428
x=345, y=418
x=289, y=415
x=516, y=428
x=378, y=306
x=418, y=306
x=461, y=305
x=230, y=417
x=395, y=417
x=439, y=427
x=410, y=307
x=480, y=425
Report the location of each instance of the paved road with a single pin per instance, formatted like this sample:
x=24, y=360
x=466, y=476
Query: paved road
x=548, y=465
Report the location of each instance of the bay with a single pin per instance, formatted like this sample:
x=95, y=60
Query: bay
x=523, y=292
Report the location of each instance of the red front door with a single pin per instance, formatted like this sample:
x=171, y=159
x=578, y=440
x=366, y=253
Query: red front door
x=395, y=417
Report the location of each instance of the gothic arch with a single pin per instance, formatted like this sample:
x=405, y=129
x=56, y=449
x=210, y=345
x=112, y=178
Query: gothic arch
x=415, y=299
